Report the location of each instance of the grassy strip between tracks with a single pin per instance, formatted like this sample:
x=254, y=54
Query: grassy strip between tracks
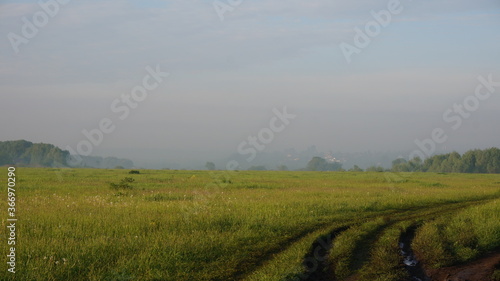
x=459, y=237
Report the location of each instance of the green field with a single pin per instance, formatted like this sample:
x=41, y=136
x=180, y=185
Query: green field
x=200, y=225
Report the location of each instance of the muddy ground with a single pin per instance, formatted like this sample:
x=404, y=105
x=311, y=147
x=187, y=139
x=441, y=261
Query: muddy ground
x=480, y=270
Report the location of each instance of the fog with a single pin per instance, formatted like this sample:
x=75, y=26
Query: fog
x=178, y=83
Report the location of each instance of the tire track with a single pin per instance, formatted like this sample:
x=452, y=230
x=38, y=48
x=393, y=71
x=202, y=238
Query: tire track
x=315, y=263
x=246, y=267
x=411, y=264
x=325, y=272
x=316, y=259
x=363, y=249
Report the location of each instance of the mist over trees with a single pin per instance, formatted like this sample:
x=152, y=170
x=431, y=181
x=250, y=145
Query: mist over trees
x=472, y=161
x=104, y=162
x=25, y=153
x=210, y=166
x=257, y=168
x=28, y=154
x=320, y=164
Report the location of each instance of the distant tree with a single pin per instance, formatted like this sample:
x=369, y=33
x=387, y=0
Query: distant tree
x=487, y=161
x=109, y=162
x=320, y=164
x=493, y=165
x=473, y=161
x=335, y=166
x=210, y=166
x=452, y=164
x=316, y=164
x=119, y=167
x=415, y=164
x=435, y=163
x=399, y=161
x=26, y=153
x=400, y=165
x=257, y=168
x=469, y=162
x=5, y=159
x=282, y=168
x=356, y=168
x=375, y=169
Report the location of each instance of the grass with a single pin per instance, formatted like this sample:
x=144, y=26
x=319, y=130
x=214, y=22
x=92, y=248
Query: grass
x=352, y=246
x=384, y=265
x=200, y=225
x=288, y=264
x=496, y=275
x=461, y=237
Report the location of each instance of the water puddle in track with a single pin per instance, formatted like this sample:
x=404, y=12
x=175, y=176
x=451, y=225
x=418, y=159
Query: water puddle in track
x=411, y=263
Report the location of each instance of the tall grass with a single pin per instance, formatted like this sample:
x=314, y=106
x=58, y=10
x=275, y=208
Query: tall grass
x=352, y=247
x=461, y=237
x=194, y=225
x=385, y=264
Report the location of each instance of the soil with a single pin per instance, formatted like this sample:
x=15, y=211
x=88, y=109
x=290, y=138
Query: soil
x=479, y=270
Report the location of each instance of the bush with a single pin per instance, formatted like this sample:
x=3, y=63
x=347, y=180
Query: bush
x=123, y=184
x=134, y=172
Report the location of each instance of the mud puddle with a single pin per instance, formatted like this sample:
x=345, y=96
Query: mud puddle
x=412, y=265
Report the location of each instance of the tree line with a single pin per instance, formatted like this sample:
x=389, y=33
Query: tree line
x=472, y=161
x=28, y=154
x=25, y=153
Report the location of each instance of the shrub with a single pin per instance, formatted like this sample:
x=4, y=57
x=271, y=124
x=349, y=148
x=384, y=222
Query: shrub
x=123, y=184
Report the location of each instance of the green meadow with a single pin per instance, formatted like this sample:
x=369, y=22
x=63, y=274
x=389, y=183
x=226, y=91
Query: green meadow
x=79, y=224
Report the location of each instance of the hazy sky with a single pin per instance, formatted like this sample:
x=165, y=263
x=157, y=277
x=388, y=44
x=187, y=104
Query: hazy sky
x=230, y=68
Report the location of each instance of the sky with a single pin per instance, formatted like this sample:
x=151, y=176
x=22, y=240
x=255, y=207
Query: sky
x=66, y=66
